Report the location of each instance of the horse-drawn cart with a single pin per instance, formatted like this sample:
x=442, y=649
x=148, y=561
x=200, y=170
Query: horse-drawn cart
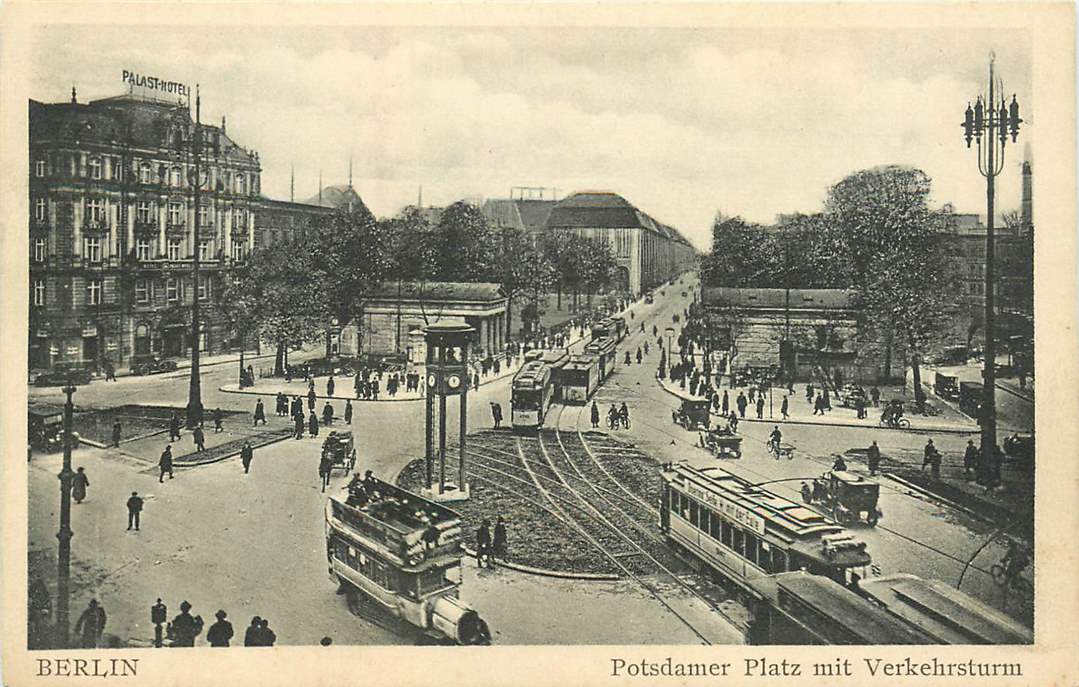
x=341, y=450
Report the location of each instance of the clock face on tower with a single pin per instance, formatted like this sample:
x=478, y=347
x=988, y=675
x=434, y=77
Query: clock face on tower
x=454, y=381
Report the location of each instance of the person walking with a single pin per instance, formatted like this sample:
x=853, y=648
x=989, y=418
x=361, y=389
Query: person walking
x=760, y=406
x=873, y=458
x=752, y=394
x=246, y=455
x=496, y=414
x=297, y=407
x=110, y=371
x=595, y=415
x=220, y=632
x=330, y=386
x=298, y=430
x=623, y=415
x=483, y=543
x=725, y=406
x=970, y=458
x=818, y=405
x=327, y=414
x=325, y=464
x=498, y=543
x=164, y=464
x=260, y=413
x=357, y=384
x=374, y=389
x=311, y=399
x=186, y=627
x=874, y=394
x=312, y=424
x=784, y=408
x=200, y=439
x=741, y=402
x=809, y=393
x=116, y=434
x=218, y=418
x=174, y=427
x=282, y=405
x=348, y=411
x=251, y=635
x=90, y=625
x=927, y=453
x=79, y=484
x=134, y=510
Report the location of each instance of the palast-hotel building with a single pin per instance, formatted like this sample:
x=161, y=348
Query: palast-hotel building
x=113, y=229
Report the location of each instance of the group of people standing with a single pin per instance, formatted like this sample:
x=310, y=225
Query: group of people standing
x=488, y=547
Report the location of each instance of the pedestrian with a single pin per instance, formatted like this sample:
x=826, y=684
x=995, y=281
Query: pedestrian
x=312, y=424
x=298, y=419
x=498, y=544
x=251, y=635
x=327, y=414
x=200, y=439
x=839, y=465
x=741, y=402
x=325, y=464
x=260, y=414
x=348, y=411
x=874, y=394
x=311, y=399
x=330, y=386
x=374, y=389
x=873, y=456
x=110, y=371
x=826, y=402
x=186, y=627
x=934, y=465
x=760, y=407
x=91, y=625
x=784, y=407
x=725, y=406
x=79, y=484
x=496, y=414
x=218, y=418
x=595, y=415
x=357, y=382
x=927, y=453
x=266, y=636
x=174, y=427
x=134, y=509
x=475, y=381
x=732, y=422
x=483, y=543
x=752, y=394
x=809, y=393
x=164, y=464
x=220, y=632
x=297, y=407
x=639, y=355
x=970, y=458
x=818, y=405
x=246, y=455
x=116, y=434
x=623, y=415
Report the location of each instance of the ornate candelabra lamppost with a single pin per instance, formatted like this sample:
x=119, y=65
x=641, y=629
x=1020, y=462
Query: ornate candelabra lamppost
x=990, y=127
x=447, y=375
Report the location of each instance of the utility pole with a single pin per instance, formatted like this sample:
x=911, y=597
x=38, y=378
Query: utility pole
x=194, y=392
x=63, y=557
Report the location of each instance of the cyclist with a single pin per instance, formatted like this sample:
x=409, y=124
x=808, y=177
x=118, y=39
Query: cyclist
x=612, y=417
x=774, y=440
x=623, y=415
x=1014, y=562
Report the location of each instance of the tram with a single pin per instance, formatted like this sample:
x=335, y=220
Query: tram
x=532, y=391
x=801, y=608
x=606, y=351
x=580, y=378
x=403, y=553
x=555, y=359
x=744, y=533
x=945, y=614
x=612, y=327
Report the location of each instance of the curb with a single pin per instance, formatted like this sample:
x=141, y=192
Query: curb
x=914, y=430
x=385, y=399
x=937, y=497
x=544, y=572
x=195, y=464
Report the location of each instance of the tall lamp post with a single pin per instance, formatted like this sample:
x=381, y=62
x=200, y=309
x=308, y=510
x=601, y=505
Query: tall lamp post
x=194, y=391
x=990, y=128
x=63, y=556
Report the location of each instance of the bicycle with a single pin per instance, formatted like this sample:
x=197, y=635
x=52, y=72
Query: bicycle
x=901, y=423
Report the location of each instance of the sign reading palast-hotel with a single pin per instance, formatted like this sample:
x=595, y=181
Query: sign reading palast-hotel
x=153, y=83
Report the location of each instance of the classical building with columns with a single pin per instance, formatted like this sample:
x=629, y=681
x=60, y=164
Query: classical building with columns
x=113, y=229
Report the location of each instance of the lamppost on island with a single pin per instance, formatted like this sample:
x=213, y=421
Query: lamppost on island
x=194, y=391
x=670, y=335
x=63, y=557
x=990, y=128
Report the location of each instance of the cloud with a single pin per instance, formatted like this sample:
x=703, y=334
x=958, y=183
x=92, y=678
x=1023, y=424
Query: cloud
x=681, y=123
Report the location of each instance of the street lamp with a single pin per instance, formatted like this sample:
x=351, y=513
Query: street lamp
x=63, y=557
x=990, y=127
x=194, y=391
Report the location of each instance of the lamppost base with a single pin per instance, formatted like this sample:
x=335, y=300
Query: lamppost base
x=451, y=493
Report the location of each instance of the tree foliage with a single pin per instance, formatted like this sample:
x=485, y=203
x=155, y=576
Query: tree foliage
x=465, y=244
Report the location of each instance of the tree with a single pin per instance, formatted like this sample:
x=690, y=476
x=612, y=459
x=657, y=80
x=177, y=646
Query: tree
x=465, y=245
x=598, y=265
x=522, y=270
x=350, y=257
x=899, y=256
x=739, y=256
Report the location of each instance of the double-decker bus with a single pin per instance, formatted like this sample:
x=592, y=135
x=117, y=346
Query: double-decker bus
x=532, y=392
x=580, y=378
x=403, y=553
x=606, y=351
x=744, y=532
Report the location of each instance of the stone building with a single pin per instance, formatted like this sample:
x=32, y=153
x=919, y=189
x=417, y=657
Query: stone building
x=393, y=318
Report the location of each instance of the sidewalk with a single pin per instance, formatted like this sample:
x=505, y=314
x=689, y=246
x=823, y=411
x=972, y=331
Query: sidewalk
x=801, y=412
x=344, y=389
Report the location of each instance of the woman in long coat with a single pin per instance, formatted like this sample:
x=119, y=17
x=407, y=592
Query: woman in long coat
x=78, y=485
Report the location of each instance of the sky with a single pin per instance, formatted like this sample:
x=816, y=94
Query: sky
x=683, y=123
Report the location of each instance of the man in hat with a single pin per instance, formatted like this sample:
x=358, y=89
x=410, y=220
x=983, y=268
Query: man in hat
x=312, y=424
x=165, y=464
x=186, y=627
x=200, y=439
x=79, y=484
x=496, y=414
x=327, y=414
x=260, y=413
x=134, y=509
x=220, y=632
x=348, y=411
x=873, y=457
x=246, y=454
x=91, y=624
x=251, y=635
x=174, y=427
x=116, y=433
x=219, y=417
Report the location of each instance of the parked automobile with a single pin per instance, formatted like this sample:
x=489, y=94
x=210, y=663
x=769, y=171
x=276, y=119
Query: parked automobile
x=59, y=377
x=153, y=366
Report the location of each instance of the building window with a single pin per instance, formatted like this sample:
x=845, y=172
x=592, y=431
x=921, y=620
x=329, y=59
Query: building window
x=173, y=249
x=95, y=209
x=91, y=248
x=40, y=250
x=172, y=290
x=146, y=173
x=142, y=249
x=176, y=213
x=239, y=217
x=176, y=177
x=39, y=169
x=241, y=184
x=204, y=287
x=143, y=290
x=205, y=249
x=93, y=292
x=238, y=251
x=39, y=292
x=145, y=212
x=204, y=216
x=40, y=209
x=95, y=168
